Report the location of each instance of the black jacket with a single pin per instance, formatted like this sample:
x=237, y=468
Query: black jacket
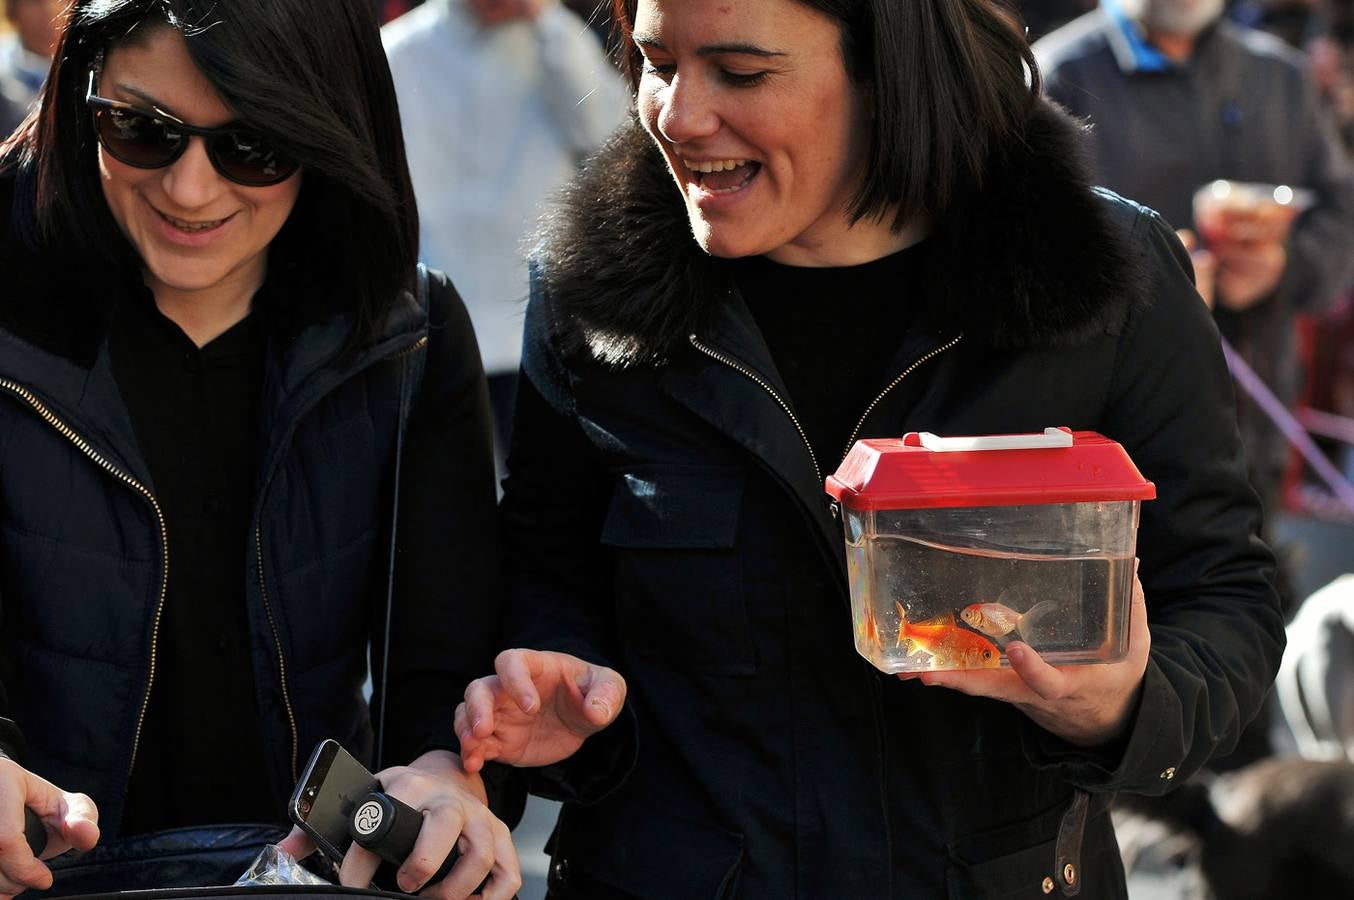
x=83, y=558
x=664, y=515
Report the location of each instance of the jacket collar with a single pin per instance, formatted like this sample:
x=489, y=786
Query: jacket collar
x=1032, y=258
x=54, y=318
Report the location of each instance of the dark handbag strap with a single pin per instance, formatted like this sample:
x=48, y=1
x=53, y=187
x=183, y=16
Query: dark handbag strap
x=411, y=381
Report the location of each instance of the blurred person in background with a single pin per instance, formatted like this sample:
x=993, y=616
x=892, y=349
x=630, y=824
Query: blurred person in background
x=393, y=9
x=247, y=455
x=1043, y=16
x=1178, y=96
x=501, y=100
x=25, y=55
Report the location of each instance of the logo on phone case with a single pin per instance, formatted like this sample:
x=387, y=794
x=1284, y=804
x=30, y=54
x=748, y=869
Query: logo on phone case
x=368, y=817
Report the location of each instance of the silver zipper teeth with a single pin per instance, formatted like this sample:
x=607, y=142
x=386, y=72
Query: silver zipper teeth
x=281, y=660
x=893, y=384
x=737, y=367
x=67, y=432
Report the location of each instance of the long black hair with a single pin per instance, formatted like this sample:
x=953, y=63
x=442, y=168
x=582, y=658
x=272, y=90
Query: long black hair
x=948, y=83
x=309, y=74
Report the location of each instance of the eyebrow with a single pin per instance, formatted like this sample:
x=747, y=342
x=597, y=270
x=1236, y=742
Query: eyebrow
x=145, y=98
x=157, y=106
x=648, y=40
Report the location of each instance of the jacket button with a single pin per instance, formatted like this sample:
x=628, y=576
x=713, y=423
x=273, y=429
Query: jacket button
x=1169, y=773
x=559, y=874
x=1069, y=874
x=1048, y=885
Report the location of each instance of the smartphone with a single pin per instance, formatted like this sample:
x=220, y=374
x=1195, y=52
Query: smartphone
x=330, y=787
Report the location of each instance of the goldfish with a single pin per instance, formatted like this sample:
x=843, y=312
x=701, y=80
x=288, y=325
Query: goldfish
x=949, y=645
x=999, y=620
x=871, y=626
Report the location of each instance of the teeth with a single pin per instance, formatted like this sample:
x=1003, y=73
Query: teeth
x=191, y=226
x=717, y=165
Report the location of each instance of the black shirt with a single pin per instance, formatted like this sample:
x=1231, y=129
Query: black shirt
x=196, y=416
x=832, y=333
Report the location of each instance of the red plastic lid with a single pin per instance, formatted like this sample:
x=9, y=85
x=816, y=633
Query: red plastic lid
x=923, y=470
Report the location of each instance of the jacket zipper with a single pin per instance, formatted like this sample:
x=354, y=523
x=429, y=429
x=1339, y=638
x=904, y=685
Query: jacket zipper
x=272, y=621
x=893, y=384
x=880, y=737
x=412, y=348
x=739, y=367
x=83, y=446
x=277, y=643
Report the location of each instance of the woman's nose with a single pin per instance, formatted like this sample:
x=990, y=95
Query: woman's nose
x=192, y=182
x=688, y=111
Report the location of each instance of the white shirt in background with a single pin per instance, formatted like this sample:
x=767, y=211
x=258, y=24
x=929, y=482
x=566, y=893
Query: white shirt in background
x=495, y=121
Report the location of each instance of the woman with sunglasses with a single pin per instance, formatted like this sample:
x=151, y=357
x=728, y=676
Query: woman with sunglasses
x=243, y=446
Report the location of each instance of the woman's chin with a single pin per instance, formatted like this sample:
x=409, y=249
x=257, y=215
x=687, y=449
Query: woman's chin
x=726, y=243
x=187, y=277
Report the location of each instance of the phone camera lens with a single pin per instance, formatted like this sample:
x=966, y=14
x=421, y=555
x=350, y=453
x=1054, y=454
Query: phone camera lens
x=304, y=806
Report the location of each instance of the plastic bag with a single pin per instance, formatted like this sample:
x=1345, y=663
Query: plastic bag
x=274, y=865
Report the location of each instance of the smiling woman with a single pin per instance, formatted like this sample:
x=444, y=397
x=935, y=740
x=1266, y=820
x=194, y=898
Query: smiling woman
x=245, y=451
x=202, y=235
x=836, y=219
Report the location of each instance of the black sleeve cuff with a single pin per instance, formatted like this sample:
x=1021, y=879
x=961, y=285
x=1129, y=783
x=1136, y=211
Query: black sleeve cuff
x=506, y=788
x=11, y=741
x=599, y=767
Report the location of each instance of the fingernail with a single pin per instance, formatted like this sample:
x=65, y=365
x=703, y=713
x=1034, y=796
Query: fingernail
x=406, y=883
x=475, y=725
x=1015, y=654
x=527, y=703
x=603, y=707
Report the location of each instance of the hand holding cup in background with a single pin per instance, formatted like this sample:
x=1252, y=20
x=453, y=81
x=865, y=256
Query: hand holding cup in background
x=1245, y=227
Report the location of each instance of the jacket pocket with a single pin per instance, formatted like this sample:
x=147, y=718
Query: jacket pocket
x=643, y=853
x=678, y=578
x=975, y=874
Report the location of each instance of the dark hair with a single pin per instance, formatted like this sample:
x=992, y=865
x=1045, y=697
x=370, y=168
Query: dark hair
x=947, y=85
x=310, y=74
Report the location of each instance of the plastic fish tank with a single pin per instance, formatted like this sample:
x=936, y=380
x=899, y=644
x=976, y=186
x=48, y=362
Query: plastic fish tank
x=957, y=546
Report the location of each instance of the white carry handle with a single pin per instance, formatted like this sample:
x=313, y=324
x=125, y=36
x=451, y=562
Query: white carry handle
x=1052, y=437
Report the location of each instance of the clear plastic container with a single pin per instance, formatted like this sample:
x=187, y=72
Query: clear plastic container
x=959, y=546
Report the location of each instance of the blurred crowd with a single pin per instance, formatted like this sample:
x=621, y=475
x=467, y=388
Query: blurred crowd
x=1194, y=105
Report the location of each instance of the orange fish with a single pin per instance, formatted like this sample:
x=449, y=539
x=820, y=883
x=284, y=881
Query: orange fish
x=999, y=620
x=871, y=626
x=949, y=645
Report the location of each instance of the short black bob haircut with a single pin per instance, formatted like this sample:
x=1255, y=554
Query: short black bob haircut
x=948, y=82
x=312, y=76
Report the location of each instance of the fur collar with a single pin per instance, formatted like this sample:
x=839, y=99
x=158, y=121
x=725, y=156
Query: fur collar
x=1033, y=259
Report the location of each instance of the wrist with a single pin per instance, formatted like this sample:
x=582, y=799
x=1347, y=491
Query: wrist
x=448, y=765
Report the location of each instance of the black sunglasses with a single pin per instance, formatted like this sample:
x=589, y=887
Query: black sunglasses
x=153, y=139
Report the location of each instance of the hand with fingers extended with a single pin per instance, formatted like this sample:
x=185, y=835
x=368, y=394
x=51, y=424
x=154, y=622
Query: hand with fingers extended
x=536, y=709
x=71, y=820
x=1085, y=705
x=455, y=816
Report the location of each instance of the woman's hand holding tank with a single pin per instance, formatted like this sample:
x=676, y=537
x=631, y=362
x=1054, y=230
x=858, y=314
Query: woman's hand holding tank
x=455, y=815
x=1085, y=705
x=71, y=820
x=537, y=708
